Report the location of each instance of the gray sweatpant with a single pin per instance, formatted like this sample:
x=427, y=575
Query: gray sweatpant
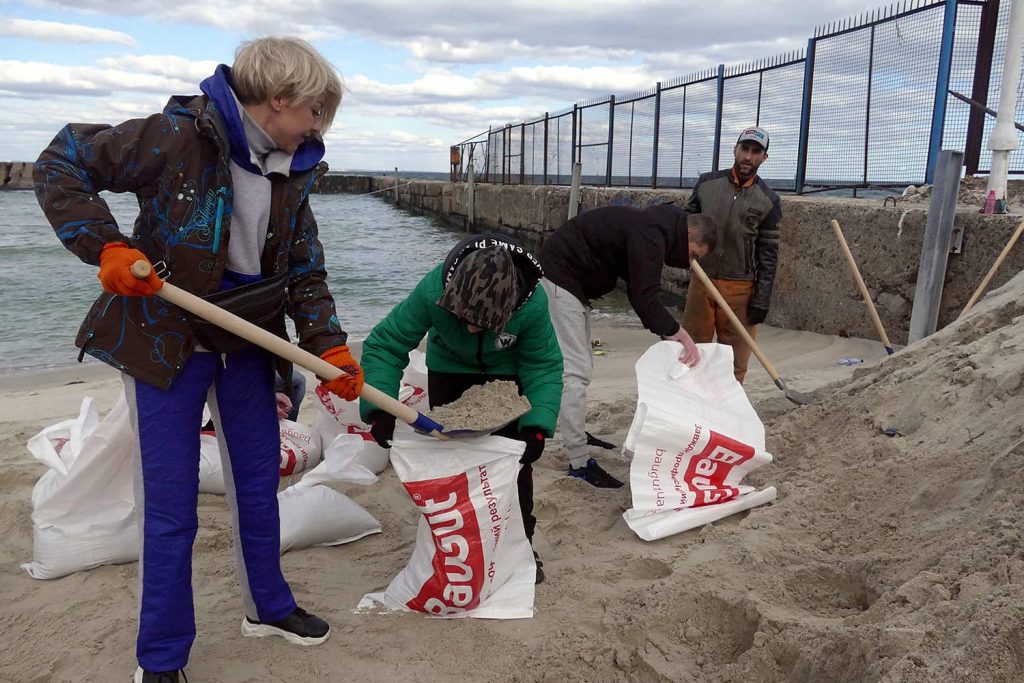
x=571, y=320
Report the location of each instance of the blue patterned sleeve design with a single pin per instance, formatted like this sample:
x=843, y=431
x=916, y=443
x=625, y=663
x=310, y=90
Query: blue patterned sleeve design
x=85, y=159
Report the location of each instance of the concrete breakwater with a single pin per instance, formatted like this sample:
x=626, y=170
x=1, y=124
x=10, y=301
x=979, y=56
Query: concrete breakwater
x=814, y=290
x=15, y=175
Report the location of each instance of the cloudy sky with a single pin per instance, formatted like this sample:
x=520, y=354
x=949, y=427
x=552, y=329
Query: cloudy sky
x=420, y=74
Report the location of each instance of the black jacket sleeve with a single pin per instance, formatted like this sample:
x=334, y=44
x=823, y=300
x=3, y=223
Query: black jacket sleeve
x=645, y=257
x=767, y=255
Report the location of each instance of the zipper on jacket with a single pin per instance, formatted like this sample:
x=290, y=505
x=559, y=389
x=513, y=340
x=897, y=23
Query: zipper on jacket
x=721, y=252
x=81, y=353
x=220, y=217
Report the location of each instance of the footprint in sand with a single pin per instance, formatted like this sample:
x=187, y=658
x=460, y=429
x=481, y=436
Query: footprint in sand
x=647, y=569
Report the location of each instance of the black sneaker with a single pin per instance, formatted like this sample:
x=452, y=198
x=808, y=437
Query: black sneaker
x=540, y=568
x=300, y=627
x=143, y=676
x=595, y=476
x=598, y=443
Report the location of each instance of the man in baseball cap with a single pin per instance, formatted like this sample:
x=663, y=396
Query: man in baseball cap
x=742, y=264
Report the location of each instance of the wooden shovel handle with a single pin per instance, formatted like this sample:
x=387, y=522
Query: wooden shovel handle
x=246, y=330
x=992, y=271
x=861, y=286
x=740, y=329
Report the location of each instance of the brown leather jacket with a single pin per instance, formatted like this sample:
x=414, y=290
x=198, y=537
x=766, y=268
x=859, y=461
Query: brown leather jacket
x=176, y=163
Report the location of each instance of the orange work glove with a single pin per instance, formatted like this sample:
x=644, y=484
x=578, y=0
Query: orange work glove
x=115, y=274
x=350, y=382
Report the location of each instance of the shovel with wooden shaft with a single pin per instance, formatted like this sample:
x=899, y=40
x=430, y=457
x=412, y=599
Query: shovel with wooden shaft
x=862, y=287
x=285, y=349
x=796, y=397
x=992, y=271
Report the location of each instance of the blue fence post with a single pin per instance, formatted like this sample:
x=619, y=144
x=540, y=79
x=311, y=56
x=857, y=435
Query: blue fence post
x=522, y=153
x=718, y=116
x=545, y=148
x=805, y=118
x=572, y=147
x=657, y=134
x=487, y=157
x=941, y=88
x=611, y=139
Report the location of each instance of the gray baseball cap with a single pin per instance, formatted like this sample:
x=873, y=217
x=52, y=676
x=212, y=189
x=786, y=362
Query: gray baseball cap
x=755, y=134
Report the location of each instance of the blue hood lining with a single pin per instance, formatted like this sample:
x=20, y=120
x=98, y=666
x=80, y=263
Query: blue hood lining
x=218, y=88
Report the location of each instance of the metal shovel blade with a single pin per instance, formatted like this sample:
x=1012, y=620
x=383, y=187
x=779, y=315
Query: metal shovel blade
x=797, y=397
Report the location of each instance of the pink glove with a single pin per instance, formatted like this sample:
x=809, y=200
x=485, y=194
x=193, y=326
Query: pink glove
x=690, y=355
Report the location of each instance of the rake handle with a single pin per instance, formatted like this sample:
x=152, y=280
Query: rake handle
x=861, y=286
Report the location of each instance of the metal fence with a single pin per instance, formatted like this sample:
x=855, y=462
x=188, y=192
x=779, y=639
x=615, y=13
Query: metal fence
x=871, y=101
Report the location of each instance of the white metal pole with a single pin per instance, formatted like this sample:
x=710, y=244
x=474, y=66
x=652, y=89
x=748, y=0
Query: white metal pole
x=1003, y=139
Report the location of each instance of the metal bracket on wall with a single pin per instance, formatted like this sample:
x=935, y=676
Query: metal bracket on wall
x=956, y=240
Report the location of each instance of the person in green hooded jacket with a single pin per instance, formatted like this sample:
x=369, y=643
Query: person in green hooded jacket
x=485, y=319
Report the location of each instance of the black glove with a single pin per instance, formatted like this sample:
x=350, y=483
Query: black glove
x=382, y=428
x=534, y=439
x=755, y=315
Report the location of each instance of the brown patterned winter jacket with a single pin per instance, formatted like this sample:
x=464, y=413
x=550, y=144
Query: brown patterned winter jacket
x=176, y=163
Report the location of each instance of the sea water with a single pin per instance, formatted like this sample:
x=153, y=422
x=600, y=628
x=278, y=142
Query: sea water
x=375, y=253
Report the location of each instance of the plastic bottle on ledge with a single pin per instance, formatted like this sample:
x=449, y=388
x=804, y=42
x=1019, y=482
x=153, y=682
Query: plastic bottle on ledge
x=990, y=203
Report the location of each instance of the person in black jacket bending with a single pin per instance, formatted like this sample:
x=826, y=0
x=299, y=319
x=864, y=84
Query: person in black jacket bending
x=583, y=260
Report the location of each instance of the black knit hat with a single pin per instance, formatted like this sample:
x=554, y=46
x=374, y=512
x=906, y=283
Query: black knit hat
x=483, y=290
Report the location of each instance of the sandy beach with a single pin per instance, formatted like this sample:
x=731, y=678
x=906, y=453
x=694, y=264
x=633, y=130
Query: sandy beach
x=885, y=558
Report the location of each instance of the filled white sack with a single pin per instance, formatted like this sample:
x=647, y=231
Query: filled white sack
x=693, y=439
x=471, y=558
x=341, y=464
x=319, y=515
x=333, y=416
x=83, y=509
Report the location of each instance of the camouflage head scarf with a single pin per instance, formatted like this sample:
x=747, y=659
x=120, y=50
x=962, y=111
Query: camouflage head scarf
x=483, y=290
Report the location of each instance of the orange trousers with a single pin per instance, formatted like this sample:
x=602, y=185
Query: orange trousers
x=703, y=318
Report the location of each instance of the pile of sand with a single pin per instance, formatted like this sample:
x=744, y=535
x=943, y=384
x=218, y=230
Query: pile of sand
x=887, y=558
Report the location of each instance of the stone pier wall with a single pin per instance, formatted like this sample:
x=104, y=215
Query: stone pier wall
x=15, y=175
x=814, y=289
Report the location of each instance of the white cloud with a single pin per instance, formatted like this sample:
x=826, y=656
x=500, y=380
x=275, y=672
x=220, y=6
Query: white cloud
x=562, y=84
x=60, y=32
x=39, y=79
x=168, y=66
x=478, y=52
x=452, y=30
x=468, y=67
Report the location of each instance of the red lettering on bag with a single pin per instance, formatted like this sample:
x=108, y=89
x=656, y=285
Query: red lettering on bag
x=416, y=396
x=288, y=461
x=458, y=560
x=706, y=473
x=324, y=394
x=356, y=429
